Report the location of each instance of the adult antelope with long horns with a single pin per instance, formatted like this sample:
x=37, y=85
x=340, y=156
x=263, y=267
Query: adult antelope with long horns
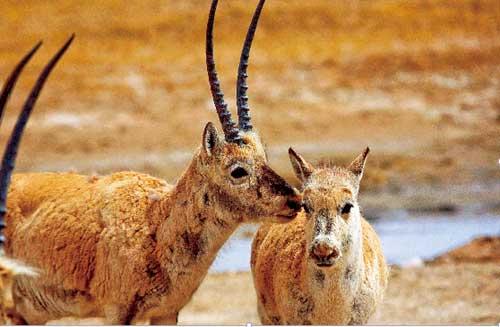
x=10, y=268
x=130, y=248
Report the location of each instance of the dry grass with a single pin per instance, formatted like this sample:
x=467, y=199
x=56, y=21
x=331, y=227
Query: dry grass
x=319, y=29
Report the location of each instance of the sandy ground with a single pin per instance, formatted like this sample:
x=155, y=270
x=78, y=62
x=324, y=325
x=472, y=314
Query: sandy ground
x=442, y=294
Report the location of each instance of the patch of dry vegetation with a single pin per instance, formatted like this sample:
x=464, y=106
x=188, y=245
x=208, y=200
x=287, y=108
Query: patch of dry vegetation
x=318, y=29
x=480, y=250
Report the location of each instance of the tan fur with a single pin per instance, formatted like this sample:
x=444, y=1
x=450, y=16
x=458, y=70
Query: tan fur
x=291, y=288
x=128, y=247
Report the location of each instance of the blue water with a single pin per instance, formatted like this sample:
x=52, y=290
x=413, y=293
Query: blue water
x=406, y=238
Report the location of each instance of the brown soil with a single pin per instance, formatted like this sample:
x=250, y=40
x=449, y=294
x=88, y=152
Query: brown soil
x=483, y=249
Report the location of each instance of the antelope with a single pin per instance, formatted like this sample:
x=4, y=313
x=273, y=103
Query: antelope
x=10, y=268
x=130, y=248
x=326, y=267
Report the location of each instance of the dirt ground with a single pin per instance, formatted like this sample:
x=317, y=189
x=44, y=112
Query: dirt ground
x=483, y=249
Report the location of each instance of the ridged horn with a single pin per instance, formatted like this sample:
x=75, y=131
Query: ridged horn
x=244, y=119
x=231, y=132
x=10, y=154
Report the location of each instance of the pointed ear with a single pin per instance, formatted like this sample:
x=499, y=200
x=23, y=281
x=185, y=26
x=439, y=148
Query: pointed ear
x=301, y=167
x=211, y=139
x=358, y=165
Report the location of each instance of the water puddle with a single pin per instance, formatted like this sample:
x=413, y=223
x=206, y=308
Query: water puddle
x=407, y=238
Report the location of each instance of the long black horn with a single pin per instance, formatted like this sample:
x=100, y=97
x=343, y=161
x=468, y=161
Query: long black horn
x=10, y=154
x=11, y=81
x=244, y=119
x=231, y=132
x=4, y=98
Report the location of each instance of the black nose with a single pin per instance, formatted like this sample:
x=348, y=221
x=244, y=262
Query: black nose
x=294, y=204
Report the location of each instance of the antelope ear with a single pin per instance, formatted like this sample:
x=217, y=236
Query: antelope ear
x=301, y=167
x=357, y=167
x=211, y=139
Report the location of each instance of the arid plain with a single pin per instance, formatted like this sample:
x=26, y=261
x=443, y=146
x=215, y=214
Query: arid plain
x=419, y=82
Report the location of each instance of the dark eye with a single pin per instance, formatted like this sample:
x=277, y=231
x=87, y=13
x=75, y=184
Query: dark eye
x=239, y=172
x=346, y=209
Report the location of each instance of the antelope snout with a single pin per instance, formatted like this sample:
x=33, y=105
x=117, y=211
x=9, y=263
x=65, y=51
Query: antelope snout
x=325, y=253
x=294, y=203
x=291, y=206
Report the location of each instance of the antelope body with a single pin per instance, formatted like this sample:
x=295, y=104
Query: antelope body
x=326, y=266
x=129, y=247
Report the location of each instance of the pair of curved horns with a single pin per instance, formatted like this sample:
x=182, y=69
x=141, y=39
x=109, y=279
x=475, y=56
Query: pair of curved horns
x=10, y=154
x=231, y=131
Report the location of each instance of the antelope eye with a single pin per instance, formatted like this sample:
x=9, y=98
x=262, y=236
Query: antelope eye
x=239, y=172
x=346, y=209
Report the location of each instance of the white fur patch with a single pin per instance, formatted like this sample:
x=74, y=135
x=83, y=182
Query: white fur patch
x=16, y=267
x=154, y=196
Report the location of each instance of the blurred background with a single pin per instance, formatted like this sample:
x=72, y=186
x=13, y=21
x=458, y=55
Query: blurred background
x=417, y=81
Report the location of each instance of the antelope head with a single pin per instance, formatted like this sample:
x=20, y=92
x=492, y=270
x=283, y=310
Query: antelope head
x=333, y=228
x=234, y=161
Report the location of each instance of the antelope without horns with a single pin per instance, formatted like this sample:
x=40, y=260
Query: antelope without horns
x=326, y=267
x=130, y=248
